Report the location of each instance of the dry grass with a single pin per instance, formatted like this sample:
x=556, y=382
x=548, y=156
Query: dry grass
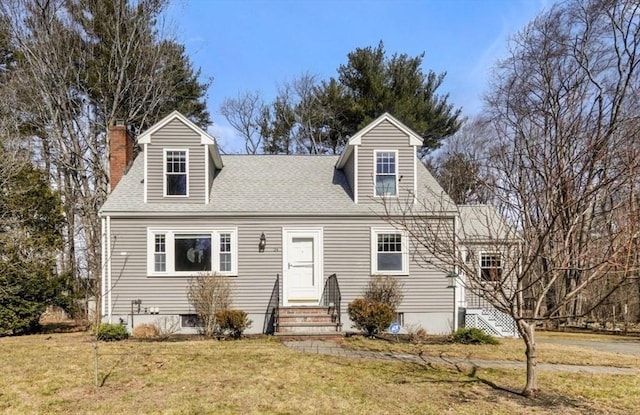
x=54, y=374
x=508, y=349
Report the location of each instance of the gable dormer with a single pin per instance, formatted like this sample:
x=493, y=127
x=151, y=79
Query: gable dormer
x=179, y=161
x=380, y=161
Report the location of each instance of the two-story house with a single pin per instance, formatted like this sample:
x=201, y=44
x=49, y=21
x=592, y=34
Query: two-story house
x=278, y=226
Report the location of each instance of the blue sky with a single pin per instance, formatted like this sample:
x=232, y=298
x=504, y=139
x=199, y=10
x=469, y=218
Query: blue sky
x=255, y=45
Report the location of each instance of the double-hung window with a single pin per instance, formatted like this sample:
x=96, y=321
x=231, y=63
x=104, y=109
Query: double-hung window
x=176, y=173
x=491, y=267
x=160, y=253
x=189, y=252
x=386, y=173
x=389, y=252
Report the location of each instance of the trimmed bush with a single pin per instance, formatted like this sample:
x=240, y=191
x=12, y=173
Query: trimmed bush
x=111, y=332
x=372, y=317
x=472, y=335
x=146, y=331
x=233, y=322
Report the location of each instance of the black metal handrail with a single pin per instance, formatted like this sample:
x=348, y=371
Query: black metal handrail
x=331, y=297
x=270, y=317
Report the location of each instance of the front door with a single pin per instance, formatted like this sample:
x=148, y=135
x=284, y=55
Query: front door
x=302, y=273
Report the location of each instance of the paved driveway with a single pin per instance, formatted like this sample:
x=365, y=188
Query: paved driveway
x=630, y=347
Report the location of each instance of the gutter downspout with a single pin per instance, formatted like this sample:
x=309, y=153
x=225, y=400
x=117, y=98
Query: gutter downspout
x=455, y=288
x=103, y=282
x=109, y=287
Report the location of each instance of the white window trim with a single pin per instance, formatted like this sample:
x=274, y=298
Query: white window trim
x=374, y=251
x=375, y=172
x=489, y=253
x=164, y=171
x=170, y=234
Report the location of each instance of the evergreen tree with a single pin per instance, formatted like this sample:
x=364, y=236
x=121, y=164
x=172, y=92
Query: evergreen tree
x=31, y=224
x=311, y=117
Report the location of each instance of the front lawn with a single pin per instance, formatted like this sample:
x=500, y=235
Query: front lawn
x=508, y=349
x=53, y=373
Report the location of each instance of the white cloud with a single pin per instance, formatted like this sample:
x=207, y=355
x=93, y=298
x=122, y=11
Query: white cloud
x=228, y=139
x=511, y=22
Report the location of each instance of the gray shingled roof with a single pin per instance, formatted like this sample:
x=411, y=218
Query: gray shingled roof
x=264, y=185
x=484, y=223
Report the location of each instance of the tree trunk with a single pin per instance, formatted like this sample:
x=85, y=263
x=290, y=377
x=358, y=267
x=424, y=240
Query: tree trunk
x=527, y=331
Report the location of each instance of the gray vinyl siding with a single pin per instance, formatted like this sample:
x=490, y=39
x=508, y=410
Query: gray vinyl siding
x=347, y=253
x=176, y=136
x=385, y=136
x=349, y=173
x=508, y=254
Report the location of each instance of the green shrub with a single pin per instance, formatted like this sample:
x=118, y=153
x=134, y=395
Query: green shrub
x=472, y=335
x=111, y=332
x=25, y=291
x=233, y=322
x=372, y=317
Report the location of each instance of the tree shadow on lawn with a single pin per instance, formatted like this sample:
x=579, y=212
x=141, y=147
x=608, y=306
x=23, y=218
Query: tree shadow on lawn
x=465, y=375
x=547, y=401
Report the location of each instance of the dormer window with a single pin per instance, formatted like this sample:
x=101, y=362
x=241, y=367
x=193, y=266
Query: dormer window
x=176, y=173
x=386, y=173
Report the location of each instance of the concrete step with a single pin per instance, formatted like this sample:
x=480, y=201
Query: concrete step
x=308, y=327
x=305, y=318
x=310, y=335
x=305, y=310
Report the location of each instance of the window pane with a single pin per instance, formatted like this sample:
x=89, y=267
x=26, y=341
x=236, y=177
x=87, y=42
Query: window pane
x=389, y=242
x=160, y=262
x=160, y=258
x=389, y=252
x=491, y=267
x=176, y=161
x=176, y=177
x=385, y=185
x=225, y=242
x=160, y=243
x=193, y=253
x=386, y=163
x=390, y=262
x=176, y=184
x=225, y=252
x=225, y=262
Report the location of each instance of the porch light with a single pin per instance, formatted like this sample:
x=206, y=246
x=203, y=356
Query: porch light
x=451, y=279
x=263, y=243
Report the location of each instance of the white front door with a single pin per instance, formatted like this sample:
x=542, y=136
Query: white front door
x=302, y=263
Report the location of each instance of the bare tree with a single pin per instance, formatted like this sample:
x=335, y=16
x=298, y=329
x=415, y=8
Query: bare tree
x=244, y=113
x=459, y=164
x=563, y=111
x=82, y=65
x=290, y=122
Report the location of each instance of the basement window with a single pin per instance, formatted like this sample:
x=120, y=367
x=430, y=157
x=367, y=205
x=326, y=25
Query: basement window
x=190, y=320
